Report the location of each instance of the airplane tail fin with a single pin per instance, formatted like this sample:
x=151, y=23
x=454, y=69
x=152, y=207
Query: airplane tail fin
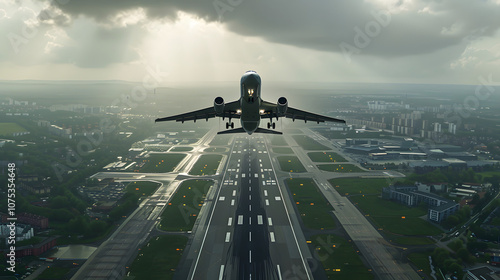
x=241, y=130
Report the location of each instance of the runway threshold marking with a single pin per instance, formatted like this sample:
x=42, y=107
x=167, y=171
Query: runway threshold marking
x=221, y=272
x=232, y=202
x=259, y=220
x=221, y=198
x=228, y=236
x=271, y=234
x=234, y=192
x=277, y=198
x=270, y=222
x=265, y=192
x=267, y=202
x=240, y=219
x=229, y=221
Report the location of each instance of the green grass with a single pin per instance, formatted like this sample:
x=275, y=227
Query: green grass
x=159, y=258
x=308, y=143
x=220, y=140
x=313, y=207
x=328, y=156
x=359, y=185
x=421, y=261
x=8, y=129
x=282, y=150
x=183, y=208
x=278, y=140
x=142, y=188
x=388, y=215
x=290, y=164
x=488, y=174
x=160, y=163
x=339, y=258
x=344, y=168
x=206, y=165
x=410, y=240
x=215, y=150
x=181, y=149
x=53, y=272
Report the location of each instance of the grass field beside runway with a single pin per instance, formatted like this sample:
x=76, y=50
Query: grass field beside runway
x=220, y=140
x=346, y=186
x=327, y=156
x=142, y=188
x=282, y=150
x=314, y=209
x=307, y=143
x=206, y=165
x=344, y=168
x=159, y=258
x=421, y=261
x=182, y=210
x=339, y=258
x=291, y=164
x=7, y=129
x=181, y=149
x=393, y=217
x=278, y=140
x=160, y=163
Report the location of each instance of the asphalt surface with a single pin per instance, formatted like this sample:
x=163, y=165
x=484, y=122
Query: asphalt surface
x=246, y=230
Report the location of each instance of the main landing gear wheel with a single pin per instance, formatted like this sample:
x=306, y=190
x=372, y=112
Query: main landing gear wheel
x=229, y=125
x=269, y=125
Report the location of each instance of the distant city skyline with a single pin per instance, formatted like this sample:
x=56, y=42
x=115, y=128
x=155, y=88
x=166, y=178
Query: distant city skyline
x=373, y=41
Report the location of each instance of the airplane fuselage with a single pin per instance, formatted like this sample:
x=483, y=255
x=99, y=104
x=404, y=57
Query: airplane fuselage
x=250, y=101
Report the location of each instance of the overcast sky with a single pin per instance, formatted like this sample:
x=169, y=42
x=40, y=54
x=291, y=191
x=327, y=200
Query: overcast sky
x=442, y=41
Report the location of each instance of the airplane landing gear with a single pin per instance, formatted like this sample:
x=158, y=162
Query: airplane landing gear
x=229, y=125
x=270, y=124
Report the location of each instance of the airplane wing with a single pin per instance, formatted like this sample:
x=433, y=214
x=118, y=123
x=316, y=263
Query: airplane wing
x=270, y=111
x=230, y=111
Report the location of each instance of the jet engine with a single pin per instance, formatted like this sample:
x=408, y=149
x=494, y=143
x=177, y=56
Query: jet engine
x=282, y=106
x=219, y=105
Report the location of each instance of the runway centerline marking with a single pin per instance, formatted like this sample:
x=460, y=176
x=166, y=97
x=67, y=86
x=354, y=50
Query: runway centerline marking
x=229, y=221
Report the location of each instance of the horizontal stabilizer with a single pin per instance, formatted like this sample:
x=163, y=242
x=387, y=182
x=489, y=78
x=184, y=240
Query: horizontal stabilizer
x=236, y=130
x=263, y=130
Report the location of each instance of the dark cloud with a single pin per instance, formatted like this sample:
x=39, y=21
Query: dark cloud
x=334, y=26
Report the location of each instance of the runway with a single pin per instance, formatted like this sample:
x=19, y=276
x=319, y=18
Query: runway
x=247, y=232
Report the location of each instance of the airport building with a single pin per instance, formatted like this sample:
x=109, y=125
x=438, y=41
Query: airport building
x=439, y=208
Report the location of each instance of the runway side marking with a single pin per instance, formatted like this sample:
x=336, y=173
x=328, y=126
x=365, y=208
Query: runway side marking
x=229, y=221
x=221, y=198
x=270, y=222
x=265, y=192
x=279, y=271
x=232, y=202
x=277, y=198
x=240, y=219
x=221, y=272
x=234, y=192
x=259, y=220
x=271, y=234
x=267, y=202
x=228, y=236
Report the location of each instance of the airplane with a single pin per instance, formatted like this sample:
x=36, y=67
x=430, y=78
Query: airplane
x=250, y=109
